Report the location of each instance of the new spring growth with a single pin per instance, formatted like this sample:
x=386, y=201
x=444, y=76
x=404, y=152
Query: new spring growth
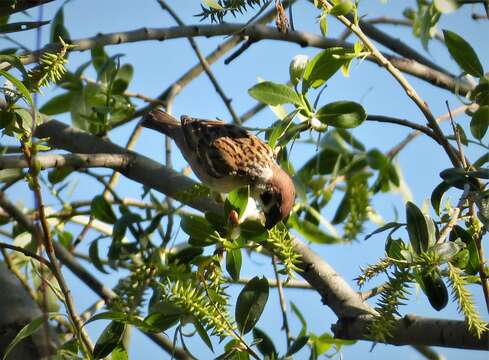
x=297, y=67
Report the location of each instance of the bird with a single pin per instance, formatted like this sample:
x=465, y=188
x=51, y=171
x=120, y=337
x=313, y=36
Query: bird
x=226, y=157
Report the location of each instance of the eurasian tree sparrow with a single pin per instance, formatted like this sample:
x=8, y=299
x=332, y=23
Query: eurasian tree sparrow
x=226, y=157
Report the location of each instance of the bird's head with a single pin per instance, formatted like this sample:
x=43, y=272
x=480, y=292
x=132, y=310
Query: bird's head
x=277, y=197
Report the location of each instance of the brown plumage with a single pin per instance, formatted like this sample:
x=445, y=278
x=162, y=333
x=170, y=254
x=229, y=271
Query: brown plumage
x=225, y=157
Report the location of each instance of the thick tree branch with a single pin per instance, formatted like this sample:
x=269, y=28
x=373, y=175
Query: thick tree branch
x=85, y=276
x=255, y=32
x=141, y=169
x=415, y=330
x=348, y=305
x=112, y=161
x=20, y=5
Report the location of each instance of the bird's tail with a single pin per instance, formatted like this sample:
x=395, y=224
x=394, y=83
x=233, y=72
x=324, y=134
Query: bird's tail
x=160, y=121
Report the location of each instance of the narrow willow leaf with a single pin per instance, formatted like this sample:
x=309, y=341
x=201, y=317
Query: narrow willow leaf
x=20, y=86
x=109, y=315
x=251, y=303
x=122, y=79
x=436, y=290
x=342, y=114
x=311, y=232
x=237, y=200
x=321, y=67
x=343, y=210
x=102, y=210
x=301, y=318
x=202, y=333
x=59, y=174
x=199, y=230
x=110, y=338
x=94, y=257
x=158, y=322
x=341, y=8
x=437, y=195
x=480, y=122
x=297, y=345
x=274, y=94
x=25, y=332
x=58, y=29
x=463, y=54
x=233, y=263
x=58, y=104
x=383, y=228
x=417, y=228
x=265, y=346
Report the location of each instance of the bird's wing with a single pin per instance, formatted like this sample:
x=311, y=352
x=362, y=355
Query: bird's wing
x=226, y=149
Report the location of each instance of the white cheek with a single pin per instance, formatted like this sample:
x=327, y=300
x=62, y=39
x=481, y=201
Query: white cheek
x=267, y=174
x=251, y=211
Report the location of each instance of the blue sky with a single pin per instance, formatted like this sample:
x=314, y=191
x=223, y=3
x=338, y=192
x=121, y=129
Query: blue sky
x=158, y=64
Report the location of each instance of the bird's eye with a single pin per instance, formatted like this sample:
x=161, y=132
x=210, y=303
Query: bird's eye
x=266, y=198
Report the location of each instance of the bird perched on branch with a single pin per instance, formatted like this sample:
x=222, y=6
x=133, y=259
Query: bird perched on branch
x=226, y=157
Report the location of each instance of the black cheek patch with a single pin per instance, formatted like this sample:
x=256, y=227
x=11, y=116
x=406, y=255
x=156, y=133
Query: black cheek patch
x=273, y=216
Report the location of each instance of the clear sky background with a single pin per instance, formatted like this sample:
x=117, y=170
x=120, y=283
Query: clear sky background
x=158, y=64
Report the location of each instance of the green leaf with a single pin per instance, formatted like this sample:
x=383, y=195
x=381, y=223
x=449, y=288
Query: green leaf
x=342, y=114
x=435, y=289
x=311, y=232
x=95, y=258
x=202, y=333
x=110, y=338
x=301, y=318
x=383, y=228
x=274, y=94
x=437, y=195
x=159, y=322
x=237, y=200
x=21, y=26
x=25, y=332
x=101, y=210
x=447, y=250
x=58, y=29
x=473, y=265
x=320, y=68
x=480, y=122
x=394, y=248
x=199, y=230
x=280, y=128
x=59, y=174
x=58, y=104
x=99, y=58
x=265, y=346
x=109, y=315
x=341, y=8
x=233, y=263
x=417, y=228
x=297, y=345
x=481, y=161
x=119, y=353
x=463, y=54
x=122, y=79
x=250, y=304
x=20, y=86
x=343, y=210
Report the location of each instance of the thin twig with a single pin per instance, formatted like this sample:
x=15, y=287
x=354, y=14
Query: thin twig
x=204, y=63
x=456, y=133
x=414, y=134
x=454, y=217
x=389, y=119
x=48, y=244
x=410, y=92
x=283, y=306
x=27, y=253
